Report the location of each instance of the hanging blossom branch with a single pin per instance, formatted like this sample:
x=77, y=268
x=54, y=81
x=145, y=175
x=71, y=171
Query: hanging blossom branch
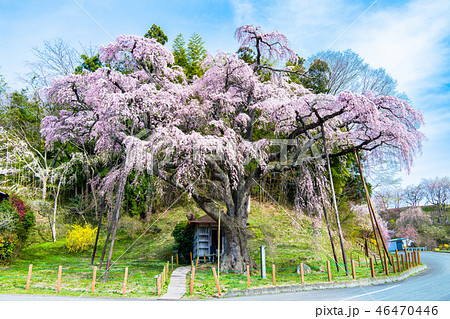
x=273, y=45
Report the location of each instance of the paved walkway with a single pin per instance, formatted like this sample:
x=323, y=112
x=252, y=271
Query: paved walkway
x=177, y=285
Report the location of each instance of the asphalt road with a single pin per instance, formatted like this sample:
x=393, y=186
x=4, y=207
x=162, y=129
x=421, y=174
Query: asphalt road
x=432, y=284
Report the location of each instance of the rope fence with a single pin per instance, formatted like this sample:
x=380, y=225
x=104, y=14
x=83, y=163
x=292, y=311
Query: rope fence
x=133, y=277
x=151, y=279
x=206, y=281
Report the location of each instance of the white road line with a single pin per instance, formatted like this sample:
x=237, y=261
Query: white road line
x=370, y=293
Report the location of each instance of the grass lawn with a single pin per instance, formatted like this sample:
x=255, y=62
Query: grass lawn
x=289, y=241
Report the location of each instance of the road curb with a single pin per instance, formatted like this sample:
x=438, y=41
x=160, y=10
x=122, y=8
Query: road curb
x=326, y=285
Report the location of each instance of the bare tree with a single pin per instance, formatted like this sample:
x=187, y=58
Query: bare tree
x=412, y=195
x=57, y=58
x=348, y=71
x=437, y=193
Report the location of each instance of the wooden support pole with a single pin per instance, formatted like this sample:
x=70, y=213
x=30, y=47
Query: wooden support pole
x=58, y=282
x=94, y=275
x=329, y=271
x=172, y=262
x=177, y=260
x=30, y=270
x=372, y=270
x=274, y=279
x=204, y=259
x=302, y=274
x=359, y=262
x=196, y=263
x=216, y=280
x=124, y=289
x=158, y=285
x=398, y=261
x=418, y=257
x=191, y=287
x=190, y=254
x=248, y=276
x=353, y=269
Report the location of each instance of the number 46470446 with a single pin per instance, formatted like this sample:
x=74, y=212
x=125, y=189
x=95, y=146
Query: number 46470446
x=407, y=310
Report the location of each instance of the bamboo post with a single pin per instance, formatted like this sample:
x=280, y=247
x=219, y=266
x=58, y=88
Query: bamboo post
x=415, y=257
x=204, y=259
x=409, y=260
x=372, y=270
x=196, y=263
x=172, y=262
x=94, y=275
x=191, y=287
x=177, y=259
x=403, y=263
x=359, y=262
x=274, y=279
x=190, y=255
x=218, y=247
x=58, y=282
x=167, y=267
x=418, y=257
x=386, y=269
x=393, y=265
x=398, y=261
x=158, y=284
x=30, y=270
x=216, y=280
x=329, y=271
x=124, y=289
x=302, y=274
x=248, y=276
x=353, y=269
x=406, y=260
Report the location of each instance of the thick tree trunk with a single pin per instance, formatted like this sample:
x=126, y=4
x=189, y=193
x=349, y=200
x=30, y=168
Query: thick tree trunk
x=236, y=256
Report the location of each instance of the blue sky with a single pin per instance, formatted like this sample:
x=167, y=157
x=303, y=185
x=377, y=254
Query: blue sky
x=410, y=39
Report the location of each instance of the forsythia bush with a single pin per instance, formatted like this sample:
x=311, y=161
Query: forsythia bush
x=80, y=238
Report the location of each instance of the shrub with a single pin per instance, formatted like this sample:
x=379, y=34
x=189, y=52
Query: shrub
x=16, y=219
x=131, y=226
x=8, y=243
x=184, y=238
x=7, y=217
x=80, y=238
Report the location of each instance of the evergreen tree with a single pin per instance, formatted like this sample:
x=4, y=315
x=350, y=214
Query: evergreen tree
x=195, y=54
x=155, y=32
x=179, y=51
x=89, y=63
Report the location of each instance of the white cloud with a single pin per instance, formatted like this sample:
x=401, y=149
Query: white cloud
x=408, y=41
x=243, y=11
